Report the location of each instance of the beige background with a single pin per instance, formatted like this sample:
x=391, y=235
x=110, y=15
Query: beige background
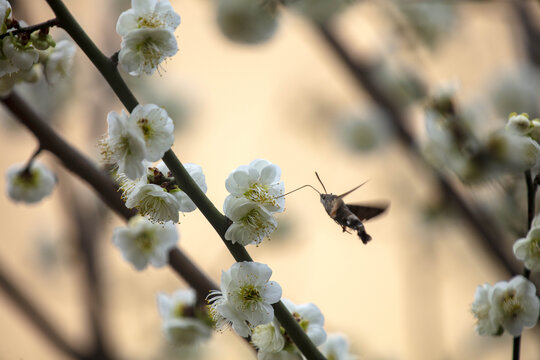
x=406, y=295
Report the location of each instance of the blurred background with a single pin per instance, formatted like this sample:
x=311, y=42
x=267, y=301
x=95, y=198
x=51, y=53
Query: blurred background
x=290, y=100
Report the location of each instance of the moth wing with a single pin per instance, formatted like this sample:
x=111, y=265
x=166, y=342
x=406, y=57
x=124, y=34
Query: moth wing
x=366, y=212
x=335, y=206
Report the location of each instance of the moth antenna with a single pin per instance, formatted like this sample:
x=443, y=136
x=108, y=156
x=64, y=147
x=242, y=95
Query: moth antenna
x=301, y=187
x=350, y=191
x=326, y=192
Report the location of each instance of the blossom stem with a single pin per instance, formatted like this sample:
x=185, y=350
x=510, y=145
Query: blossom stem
x=220, y=223
x=31, y=160
x=32, y=28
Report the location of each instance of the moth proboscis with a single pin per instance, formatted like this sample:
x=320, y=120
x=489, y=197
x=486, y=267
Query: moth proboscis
x=349, y=216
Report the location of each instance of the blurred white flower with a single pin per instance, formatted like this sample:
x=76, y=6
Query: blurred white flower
x=60, y=61
x=510, y=152
x=364, y=130
x=481, y=309
x=142, y=50
x=195, y=171
x=5, y=13
x=8, y=81
x=310, y=319
x=268, y=337
x=157, y=129
x=124, y=145
x=514, y=304
x=336, y=347
x=527, y=249
x=16, y=56
x=143, y=242
x=519, y=124
x=245, y=298
x=247, y=21
x=181, y=324
x=319, y=10
x=148, y=14
x=251, y=222
x=29, y=185
x=259, y=182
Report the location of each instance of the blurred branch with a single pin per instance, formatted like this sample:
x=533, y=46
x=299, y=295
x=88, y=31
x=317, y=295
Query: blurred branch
x=102, y=184
x=35, y=316
x=530, y=29
x=477, y=220
x=87, y=222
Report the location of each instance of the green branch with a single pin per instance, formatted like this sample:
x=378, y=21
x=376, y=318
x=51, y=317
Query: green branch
x=220, y=223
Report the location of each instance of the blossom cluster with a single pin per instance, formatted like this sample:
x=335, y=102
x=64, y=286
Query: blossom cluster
x=454, y=142
x=25, y=56
x=184, y=323
x=255, y=195
x=147, y=31
x=510, y=306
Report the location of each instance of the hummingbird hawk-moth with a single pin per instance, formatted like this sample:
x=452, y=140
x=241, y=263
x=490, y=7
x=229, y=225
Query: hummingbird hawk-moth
x=349, y=216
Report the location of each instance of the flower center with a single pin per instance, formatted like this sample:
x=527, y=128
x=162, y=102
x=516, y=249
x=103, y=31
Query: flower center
x=179, y=310
x=511, y=305
x=259, y=194
x=304, y=323
x=534, y=247
x=149, y=21
x=254, y=220
x=28, y=179
x=145, y=241
x=150, y=52
x=156, y=177
x=146, y=128
x=250, y=293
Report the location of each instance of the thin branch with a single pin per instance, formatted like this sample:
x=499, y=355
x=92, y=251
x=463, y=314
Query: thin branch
x=32, y=28
x=71, y=158
x=34, y=315
x=102, y=184
x=478, y=221
x=187, y=184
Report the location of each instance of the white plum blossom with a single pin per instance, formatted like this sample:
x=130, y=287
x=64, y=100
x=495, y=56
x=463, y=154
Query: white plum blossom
x=251, y=222
x=151, y=200
x=512, y=152
x=259, y=182
x=142, y=50
x=268, y=337
x=310, y=319
x=181, y=323
x=527, y=249
x=124, y=145
x=157, y=129
x=60, y=61
x=29, y=185
x=481, y=309
x=16, y=56
x=514, y=304
x=336, y=347
x=8, y=81
x=143, y=242
x=245, y=298
x=195, y=171
x=148, y=14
